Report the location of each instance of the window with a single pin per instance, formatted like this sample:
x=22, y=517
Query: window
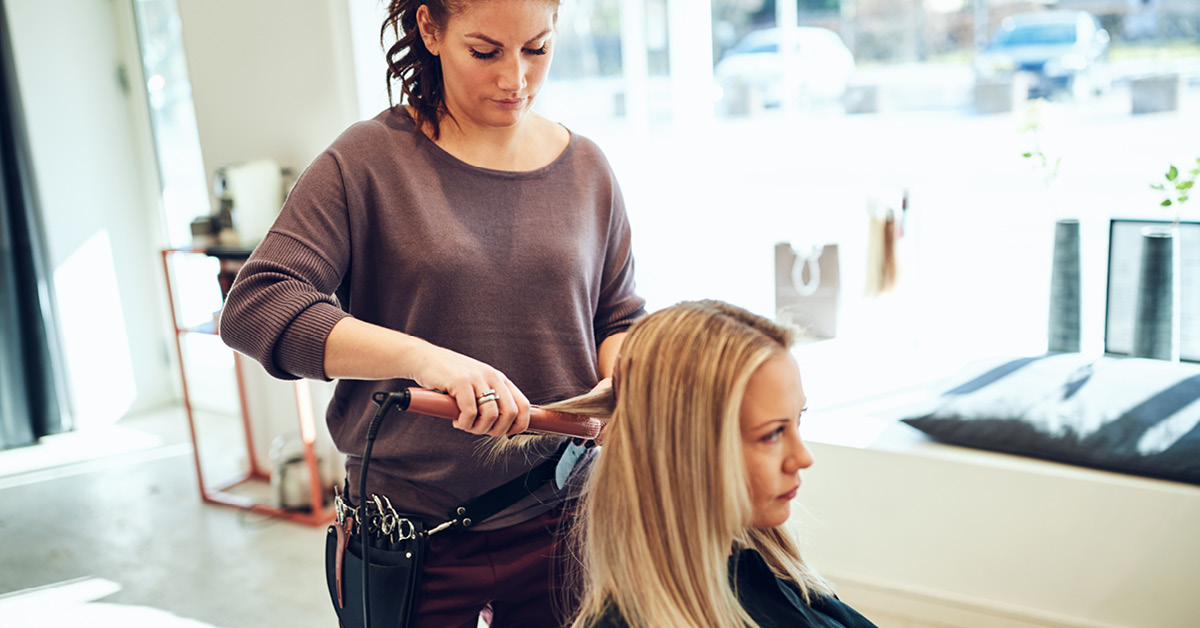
x=781, y=147
x=181, y=169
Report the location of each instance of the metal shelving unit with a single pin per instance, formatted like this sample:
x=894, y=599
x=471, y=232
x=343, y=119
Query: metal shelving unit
x=221, y=492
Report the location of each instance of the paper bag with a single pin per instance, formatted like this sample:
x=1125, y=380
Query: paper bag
x=807, y=288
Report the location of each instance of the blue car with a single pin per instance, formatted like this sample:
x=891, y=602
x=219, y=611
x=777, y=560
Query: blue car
x=1061, y=53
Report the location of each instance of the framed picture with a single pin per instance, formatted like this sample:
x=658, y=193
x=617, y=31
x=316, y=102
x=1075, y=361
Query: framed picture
x=1124, y=266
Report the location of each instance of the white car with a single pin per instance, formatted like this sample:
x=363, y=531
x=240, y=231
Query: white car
x=820, y=65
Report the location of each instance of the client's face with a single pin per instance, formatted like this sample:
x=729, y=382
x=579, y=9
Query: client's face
x=771, y=445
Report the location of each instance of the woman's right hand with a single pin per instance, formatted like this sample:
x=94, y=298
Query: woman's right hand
x=360, y=350
x=467, y=380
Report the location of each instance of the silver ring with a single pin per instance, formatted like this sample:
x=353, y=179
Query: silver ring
x=488, y=395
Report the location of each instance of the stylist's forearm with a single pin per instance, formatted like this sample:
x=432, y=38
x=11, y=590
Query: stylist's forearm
x=607, y=354
x=360, y=350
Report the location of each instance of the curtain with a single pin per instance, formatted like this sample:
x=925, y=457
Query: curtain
x=32, y=399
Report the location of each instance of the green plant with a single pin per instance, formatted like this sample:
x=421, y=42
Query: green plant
x=1032, y=124
x=1177, y=188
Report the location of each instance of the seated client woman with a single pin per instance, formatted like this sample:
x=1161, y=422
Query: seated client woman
x=684, y=510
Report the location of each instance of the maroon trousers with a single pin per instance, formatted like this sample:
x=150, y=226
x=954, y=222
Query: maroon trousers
x=512, y=577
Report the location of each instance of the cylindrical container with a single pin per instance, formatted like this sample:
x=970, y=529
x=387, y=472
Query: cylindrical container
x=1156, y=318
x=256, y=189
x=1065, y=289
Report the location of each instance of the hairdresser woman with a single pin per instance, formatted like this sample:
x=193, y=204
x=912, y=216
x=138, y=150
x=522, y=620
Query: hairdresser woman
x=462, y=243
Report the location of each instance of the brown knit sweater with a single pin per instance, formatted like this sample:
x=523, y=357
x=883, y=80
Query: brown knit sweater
x=525, y=271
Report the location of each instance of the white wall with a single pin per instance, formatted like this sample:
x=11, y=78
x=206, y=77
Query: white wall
x=271, y=79
x=96, y=181
x=912, y=530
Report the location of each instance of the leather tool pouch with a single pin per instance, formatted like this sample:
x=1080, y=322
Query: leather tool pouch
x=398, y=544
x=395, y=575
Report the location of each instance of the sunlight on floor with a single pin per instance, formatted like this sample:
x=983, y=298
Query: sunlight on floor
x=73, y=447
x=73, y=603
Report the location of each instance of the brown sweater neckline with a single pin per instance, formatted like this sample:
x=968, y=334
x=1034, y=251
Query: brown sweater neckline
x=404, y=121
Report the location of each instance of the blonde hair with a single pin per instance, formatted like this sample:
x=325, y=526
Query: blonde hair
x=668, y=497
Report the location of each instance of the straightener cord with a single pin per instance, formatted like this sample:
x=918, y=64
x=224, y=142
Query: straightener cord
x=386, y=401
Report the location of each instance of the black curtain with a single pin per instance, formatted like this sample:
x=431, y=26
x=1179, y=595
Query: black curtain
x=31, y=387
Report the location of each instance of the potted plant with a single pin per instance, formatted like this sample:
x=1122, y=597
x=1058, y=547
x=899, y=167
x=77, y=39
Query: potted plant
x=1177, y=189
x=1066, y=288
x=1156, y=331
x=1032, y=125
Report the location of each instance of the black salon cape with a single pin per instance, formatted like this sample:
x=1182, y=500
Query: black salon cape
x=772, y=602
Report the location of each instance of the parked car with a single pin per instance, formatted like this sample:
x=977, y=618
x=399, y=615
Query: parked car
x=822, y=65
x=1061, y=53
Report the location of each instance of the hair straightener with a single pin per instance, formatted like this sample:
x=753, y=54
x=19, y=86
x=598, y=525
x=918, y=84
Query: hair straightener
x=443, y=406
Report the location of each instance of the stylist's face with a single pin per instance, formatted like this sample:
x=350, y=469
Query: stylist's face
x=495, y=55
x=771, y=445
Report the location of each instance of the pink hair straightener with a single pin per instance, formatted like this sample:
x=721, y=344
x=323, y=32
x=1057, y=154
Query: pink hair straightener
x=435, y=404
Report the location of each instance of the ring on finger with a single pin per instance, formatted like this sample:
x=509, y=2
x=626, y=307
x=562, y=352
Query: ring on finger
x=488, y=395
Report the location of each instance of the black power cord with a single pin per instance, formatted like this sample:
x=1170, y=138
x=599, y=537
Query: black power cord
x=386, y=401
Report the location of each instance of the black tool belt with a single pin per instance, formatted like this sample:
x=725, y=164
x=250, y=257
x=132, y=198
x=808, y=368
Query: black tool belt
x=397, y=548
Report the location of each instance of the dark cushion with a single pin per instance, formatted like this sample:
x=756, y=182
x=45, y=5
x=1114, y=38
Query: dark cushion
x=1131, y=415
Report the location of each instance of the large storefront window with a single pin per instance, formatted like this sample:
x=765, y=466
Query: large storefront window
x=918, y=109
